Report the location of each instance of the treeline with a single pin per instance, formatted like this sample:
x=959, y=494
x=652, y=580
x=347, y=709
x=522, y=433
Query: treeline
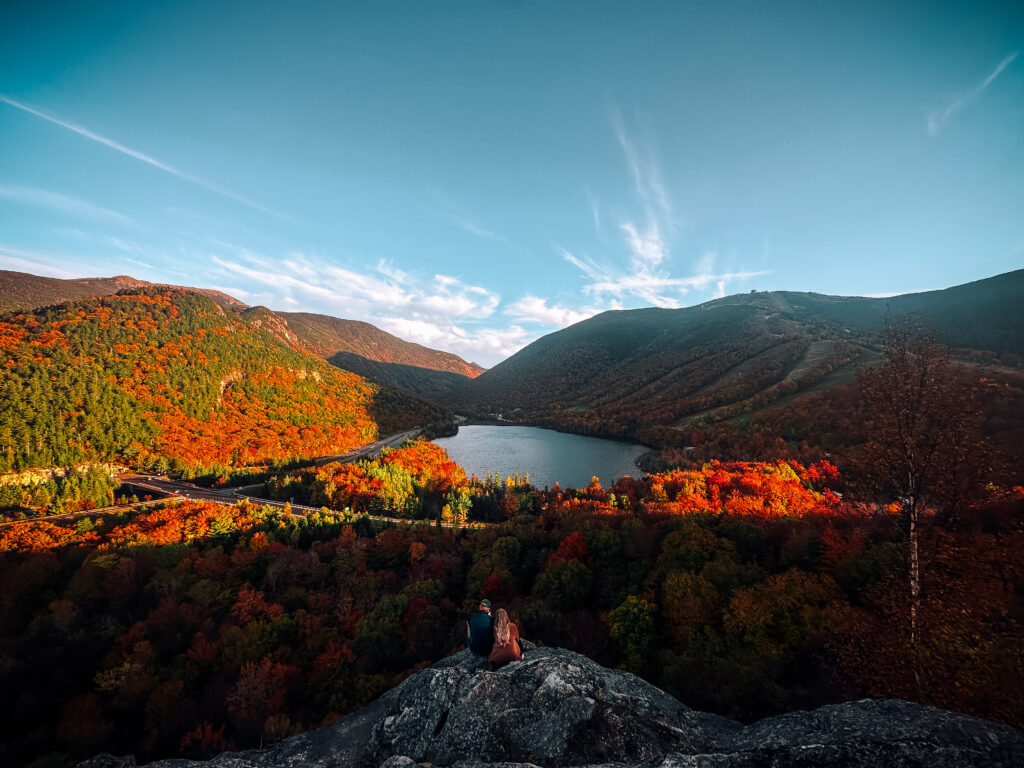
x=638, y=375
x=165, y=379
x=72, y=489
x=745, y=589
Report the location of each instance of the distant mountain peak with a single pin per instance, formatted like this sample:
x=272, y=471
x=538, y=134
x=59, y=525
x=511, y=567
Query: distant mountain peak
x=353, y=345
x=20, y=290
x=648, y=373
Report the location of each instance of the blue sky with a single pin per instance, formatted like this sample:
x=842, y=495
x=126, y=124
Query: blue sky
x=473, y=175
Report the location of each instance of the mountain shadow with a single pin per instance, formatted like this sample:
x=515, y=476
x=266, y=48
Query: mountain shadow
x=422, y=382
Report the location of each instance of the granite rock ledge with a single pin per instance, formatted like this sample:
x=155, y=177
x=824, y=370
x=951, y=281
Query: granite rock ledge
x=557, y=708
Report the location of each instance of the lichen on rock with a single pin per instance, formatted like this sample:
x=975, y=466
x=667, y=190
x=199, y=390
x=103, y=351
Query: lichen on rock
x=557, y=708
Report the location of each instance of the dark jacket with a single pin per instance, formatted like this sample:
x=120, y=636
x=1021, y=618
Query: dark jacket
x=481, y=633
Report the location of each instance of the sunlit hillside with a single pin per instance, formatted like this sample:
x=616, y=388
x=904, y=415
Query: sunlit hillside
x=166, y=378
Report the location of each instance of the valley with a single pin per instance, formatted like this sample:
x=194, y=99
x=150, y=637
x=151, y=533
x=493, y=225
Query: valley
x=345, y=345
x=746, y=364
x=300, y=564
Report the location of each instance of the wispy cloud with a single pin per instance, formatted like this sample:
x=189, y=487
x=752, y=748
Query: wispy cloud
x=141, y=156
x=33, y=262
x=474, y=229
x=936, y=120
x=58, y=202
x=442, y=311
x=647, y=237
x=646, y=172
x=444, y=205
x=659, y=289
x=646, y=240
x=533, y=309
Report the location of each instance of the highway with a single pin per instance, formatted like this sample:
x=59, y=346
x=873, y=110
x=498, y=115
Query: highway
x=370, y=450
x=165, y=487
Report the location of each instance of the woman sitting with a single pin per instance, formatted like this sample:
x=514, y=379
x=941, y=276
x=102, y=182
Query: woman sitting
x=506, y=640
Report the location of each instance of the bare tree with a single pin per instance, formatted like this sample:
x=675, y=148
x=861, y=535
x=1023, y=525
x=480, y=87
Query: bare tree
x=924, y=448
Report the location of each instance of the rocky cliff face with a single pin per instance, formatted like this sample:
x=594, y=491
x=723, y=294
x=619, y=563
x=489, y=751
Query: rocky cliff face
x=558, y=708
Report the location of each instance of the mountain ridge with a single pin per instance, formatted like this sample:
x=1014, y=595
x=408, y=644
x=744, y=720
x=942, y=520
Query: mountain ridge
x=327, y=335
x=364, y=349
x=161, y=375
x=21, y=290
x=641, y=373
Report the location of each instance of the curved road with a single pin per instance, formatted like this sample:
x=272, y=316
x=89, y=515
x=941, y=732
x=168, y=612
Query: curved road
x=166, y=487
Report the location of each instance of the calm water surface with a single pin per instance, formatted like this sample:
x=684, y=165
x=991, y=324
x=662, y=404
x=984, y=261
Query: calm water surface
x=547, y=456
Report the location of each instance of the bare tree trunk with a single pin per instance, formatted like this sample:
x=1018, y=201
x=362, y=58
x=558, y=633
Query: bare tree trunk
x=914, y=573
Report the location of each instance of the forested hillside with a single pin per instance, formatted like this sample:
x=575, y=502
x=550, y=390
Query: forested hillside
x=743, y=588
x=351, y=345
x=20, y=290
x=326, y=336
x=167, y=378
x=374, y=354
x=659, y=374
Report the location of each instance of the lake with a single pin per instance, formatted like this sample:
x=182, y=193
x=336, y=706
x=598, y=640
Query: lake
x=547, y=456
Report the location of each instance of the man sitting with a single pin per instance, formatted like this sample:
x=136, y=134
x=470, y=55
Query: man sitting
x=481, y=630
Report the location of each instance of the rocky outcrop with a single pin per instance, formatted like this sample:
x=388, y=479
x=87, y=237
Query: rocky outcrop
x=558, y=708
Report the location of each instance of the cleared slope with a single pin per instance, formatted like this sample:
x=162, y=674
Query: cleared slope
x=623, y=372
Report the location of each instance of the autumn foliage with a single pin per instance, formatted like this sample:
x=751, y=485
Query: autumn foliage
x=742, y=588
x=414, y=481
x=162, y=378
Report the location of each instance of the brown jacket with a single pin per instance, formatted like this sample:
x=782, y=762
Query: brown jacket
x=510, y=651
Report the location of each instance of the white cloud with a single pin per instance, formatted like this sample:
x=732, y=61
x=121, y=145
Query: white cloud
x=645, y=273
x=420, y=331
x=485, y=346
x=937, y=119
x=33, y=262
x=646, y=248
x=134, y=153
x=441, y=311
x=59, y=202
x=656, y=288
x=533, y=309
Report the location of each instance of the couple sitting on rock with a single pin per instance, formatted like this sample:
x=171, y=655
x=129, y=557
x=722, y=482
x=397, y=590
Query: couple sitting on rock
x=496, y=638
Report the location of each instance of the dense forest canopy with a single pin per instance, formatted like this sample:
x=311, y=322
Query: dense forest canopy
x=744, y=588
x=166, y=378
x=351, y=345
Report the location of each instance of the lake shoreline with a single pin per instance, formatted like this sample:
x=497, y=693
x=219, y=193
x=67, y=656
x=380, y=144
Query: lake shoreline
x=548, y=456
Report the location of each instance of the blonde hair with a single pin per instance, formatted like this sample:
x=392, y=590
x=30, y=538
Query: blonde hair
x=502, y=631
